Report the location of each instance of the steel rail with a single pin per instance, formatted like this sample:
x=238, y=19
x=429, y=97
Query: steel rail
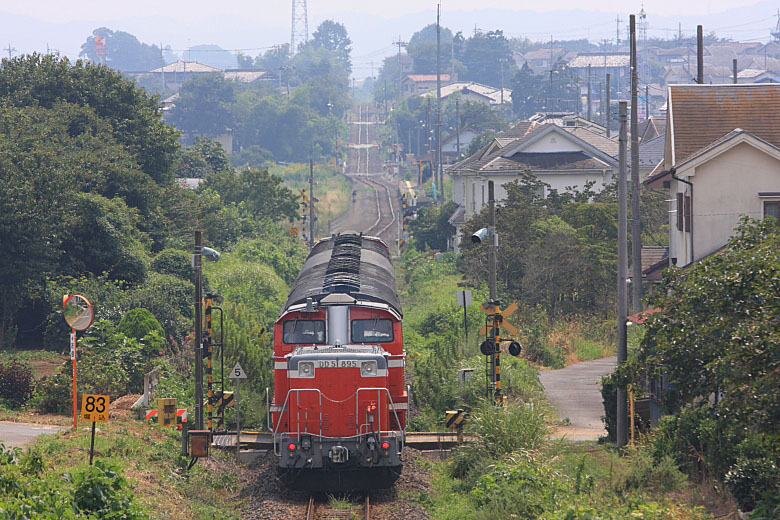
x=310, y=508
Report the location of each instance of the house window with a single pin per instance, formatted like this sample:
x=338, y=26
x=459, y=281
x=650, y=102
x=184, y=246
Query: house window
x=772, y=209
x=683, y=212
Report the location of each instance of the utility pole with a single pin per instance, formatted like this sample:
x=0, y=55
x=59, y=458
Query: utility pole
x=622, y=270
x=589, y=103
x=162, y=66
x=617, y=36
x=608, y=113
x=636, y=236
x=495, y=359
x=311, y=203
x=438, y=105
x=428, y=128
x=10, y=50
x=457, y=129
x=197, y=268
x=400, y=43
x=699, y=54
x=734, y=66
x=647, y=101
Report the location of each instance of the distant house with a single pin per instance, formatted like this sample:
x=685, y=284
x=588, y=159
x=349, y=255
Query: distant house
x=542, y=60
x=561, y=157
x=567, y=120
x=473, y=92
x=721, y=161
x=449, y=146
x=416, y=84
x=616, y=64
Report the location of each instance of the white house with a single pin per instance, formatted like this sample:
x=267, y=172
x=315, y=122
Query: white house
x=561, y=157
x=721, y=161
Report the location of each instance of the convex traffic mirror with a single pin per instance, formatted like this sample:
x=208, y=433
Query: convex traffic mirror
x=77, y=311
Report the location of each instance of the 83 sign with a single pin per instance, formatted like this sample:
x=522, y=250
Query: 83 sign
x=94, y=408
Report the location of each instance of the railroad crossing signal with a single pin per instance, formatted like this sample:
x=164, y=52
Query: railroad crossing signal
x=491, y=309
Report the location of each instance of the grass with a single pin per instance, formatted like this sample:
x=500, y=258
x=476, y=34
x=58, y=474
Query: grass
x=42, y=362
x=149, y=457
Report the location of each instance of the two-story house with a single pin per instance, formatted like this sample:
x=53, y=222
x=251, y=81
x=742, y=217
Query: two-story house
x=721, y=161
x=561, y=157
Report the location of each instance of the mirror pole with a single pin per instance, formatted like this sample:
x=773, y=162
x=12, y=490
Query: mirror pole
x=75, y=378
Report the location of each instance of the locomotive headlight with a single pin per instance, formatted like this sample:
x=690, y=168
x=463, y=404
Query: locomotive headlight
x=306, y=369
x=368, y=368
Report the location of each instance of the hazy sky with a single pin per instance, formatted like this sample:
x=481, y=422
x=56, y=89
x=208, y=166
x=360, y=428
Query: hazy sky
x=63, y=25
x=278, y=11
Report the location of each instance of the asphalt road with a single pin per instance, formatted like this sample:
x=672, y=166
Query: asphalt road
x=21, y=434
x=576, y=395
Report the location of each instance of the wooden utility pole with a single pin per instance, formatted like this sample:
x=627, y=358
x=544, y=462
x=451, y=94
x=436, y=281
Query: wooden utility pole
x=699, y=54
x=636, y=230
x=439, y=170
x=647, y=101
x=311, y=202
x=622, y=270
x=400, y=44
x=734, y=67
x=608, y=113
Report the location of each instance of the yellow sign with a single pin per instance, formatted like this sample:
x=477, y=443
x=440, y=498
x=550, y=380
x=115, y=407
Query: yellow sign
x=490, y=309
x=293, y=231
x=94, y=408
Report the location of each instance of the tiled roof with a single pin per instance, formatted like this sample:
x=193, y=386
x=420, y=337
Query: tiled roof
x=651, y=255
x=186, y=66
x=599, y=60
x=651, y=151
x=558, y=161
x=651, y=127
x=492, y=93
x=494, y=161
x=245, y=76
x=606, y=145
x=427, y=77
x=703, y=113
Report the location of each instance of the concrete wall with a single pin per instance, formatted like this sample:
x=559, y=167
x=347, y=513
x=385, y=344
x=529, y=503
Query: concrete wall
x=725, y=189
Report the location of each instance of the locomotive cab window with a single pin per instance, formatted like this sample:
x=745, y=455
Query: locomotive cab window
x=305, y=332
x=376, y=330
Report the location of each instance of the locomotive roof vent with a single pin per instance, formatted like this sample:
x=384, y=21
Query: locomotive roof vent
x=343, y=272
x=338, y=299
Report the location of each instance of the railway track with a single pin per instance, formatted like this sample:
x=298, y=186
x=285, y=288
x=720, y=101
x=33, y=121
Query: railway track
x=328, y=512
x=382, y=221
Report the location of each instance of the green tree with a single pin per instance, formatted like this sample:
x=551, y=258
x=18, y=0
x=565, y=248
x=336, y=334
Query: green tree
x=431, y=228
x=204, y=104
x=484, y=56
x=422, y=49
x=212, y=152
x=333, y=37
x=263, y=194
x=135, y=118
x=122, y=51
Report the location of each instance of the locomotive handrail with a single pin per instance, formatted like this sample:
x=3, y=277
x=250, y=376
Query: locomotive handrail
x=319, y=392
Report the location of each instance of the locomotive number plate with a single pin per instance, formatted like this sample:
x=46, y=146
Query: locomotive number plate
x=337, y=363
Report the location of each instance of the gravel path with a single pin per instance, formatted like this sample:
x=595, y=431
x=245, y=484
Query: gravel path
x=576, y=395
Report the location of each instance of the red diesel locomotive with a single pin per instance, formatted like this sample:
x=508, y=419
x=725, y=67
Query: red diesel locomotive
x=339, y=408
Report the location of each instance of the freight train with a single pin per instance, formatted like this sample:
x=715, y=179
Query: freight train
x=340, y=403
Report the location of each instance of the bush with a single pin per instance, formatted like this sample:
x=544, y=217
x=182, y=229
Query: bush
x=101, y=490
x=16, y=383
x=662, y=476
x=137, y=323
x=53, y=394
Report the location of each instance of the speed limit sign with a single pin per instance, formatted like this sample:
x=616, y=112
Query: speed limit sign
x=94, y=408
